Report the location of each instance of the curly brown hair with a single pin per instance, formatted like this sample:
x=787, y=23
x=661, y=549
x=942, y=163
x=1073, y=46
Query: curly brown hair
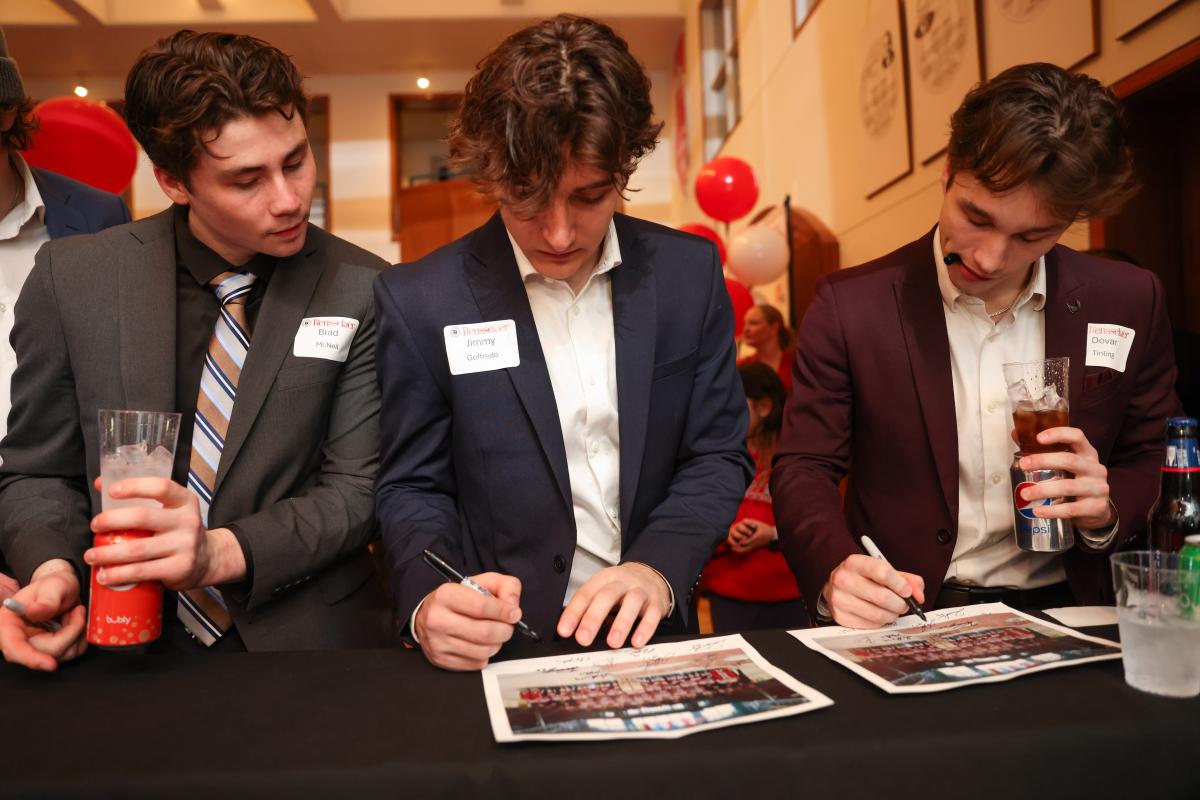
x=19, y=135
x=1063, y=133
x=565, y=89
x=181, y=91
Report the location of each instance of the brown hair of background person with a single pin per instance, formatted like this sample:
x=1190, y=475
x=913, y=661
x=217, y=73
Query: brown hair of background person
x=773, y=316
x=760, y=382
x=12, y=95
x=569, y=79
x=19, y=135
x=186, y=87
x=1062, y=133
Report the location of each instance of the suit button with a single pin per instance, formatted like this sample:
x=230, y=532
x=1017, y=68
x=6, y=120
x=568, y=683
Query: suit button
x=559, y=564
x=943, y=536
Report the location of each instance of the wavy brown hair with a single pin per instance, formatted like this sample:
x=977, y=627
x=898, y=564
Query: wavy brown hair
x=184, y=89
x=1063, y=133
x=19, y=135
x=566, y=88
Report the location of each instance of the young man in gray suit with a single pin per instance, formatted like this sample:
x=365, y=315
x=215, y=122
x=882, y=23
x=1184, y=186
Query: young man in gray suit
x=271, y=502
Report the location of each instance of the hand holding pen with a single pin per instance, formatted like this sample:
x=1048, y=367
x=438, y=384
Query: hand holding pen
x=867, y=592
x=461, y=624
x=874, y=552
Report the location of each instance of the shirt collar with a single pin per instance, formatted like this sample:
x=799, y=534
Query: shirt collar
x=32, y=203
x=610, y=256
x=1034, y=292
x=203, y=263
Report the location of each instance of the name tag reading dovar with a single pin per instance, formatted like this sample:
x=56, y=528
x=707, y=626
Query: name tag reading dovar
x=1108, y=345
x=481, y=346
x=324, y=337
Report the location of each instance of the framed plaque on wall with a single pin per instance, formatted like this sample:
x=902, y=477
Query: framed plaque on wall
x=1062, y=32
x=944, y=62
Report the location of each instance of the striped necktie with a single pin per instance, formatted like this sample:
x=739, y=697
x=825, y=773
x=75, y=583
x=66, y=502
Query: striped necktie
x=203, y=610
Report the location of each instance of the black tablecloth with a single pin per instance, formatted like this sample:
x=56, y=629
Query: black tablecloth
x=383, y=723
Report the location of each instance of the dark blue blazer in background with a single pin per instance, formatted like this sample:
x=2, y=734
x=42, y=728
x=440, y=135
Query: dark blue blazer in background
x=73, y=207
x=474, y=467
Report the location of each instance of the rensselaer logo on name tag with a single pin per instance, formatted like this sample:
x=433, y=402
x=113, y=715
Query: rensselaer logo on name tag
x=1108, y=345
x=481, y=346
x=325, y=337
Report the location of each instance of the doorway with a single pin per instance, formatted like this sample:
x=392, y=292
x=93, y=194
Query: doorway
x=1158, y=229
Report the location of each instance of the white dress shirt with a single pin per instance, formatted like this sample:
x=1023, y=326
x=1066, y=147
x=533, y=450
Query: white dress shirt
x=986, y=553
x=22, y=232
x=576, y=333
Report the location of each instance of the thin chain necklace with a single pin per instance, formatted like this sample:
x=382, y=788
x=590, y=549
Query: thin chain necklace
x=1000, y=314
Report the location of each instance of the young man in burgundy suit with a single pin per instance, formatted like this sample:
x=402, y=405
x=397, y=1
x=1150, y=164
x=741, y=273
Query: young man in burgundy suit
x=898, y=378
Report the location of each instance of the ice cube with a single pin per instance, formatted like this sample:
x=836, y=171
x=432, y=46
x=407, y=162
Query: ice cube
x=132, y=453
x=1051, y=400
x=161, y=455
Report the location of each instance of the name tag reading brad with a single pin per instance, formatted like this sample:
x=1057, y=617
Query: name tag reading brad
x=325, y=337
x=481, y=346
x=1108, y=345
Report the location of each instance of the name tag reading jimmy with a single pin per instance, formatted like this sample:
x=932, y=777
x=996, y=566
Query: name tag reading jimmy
x=482, y=346
x=1108, y=345
x=324, y=337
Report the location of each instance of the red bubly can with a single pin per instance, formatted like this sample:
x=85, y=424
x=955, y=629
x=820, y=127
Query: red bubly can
x=129, y=615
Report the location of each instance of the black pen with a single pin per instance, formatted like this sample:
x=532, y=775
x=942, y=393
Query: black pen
x=451, y=574
x=18, y=608
x=874, y=552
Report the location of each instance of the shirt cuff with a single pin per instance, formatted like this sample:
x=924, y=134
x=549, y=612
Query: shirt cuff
x=823, y=614
x=412, y=623
x=670, y=591
x=244, y=586
x=1101, y=538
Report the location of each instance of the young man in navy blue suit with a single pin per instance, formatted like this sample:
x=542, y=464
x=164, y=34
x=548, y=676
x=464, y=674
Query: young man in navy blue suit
x=562, y=415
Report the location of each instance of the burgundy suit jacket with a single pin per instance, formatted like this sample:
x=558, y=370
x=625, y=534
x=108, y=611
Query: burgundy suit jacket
x=872, y=397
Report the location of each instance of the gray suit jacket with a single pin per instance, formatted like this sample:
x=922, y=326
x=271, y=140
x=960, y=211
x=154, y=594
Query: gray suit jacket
x=95, y=328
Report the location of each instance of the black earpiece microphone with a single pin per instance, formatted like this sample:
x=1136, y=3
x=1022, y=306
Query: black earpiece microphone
x=951, y=258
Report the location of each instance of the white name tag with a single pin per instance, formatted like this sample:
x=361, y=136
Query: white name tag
x=1108, y=345
x=481, y=346
x=325, y=337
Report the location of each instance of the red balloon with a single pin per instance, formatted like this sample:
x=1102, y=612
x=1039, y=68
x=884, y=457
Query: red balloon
x=742, y=302
x=726, y=188
x=707, y=233
x=84, y=140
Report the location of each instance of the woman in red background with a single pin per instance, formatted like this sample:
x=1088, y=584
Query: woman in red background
x=748, y=583
x=769, y=335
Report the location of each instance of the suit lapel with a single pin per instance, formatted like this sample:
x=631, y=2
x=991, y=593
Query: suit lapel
x=146, y=316
x=495, y=283
x=924, y=324
x=634, y=315
x=1066, y=330
x=61, y=218
x=291, y=289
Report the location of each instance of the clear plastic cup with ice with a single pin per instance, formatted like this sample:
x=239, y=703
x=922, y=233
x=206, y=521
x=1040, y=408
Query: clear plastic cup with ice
x=135, y=444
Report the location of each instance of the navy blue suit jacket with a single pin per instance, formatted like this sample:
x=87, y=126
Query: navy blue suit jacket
x=73, y=207
x=474, y=466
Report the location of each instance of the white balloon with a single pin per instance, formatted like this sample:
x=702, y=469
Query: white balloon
x=758, y=255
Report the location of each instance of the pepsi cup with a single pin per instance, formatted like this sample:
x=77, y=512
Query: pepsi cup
x=1035, y=534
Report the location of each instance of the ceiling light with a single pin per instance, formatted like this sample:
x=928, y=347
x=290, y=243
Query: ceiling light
x=81, y=91
x=422, y=82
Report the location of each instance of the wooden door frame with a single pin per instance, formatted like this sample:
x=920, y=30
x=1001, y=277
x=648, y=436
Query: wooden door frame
x=1136, y=81
x=395, y=100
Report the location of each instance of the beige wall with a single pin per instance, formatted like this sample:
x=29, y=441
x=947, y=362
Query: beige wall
x=800, y=107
